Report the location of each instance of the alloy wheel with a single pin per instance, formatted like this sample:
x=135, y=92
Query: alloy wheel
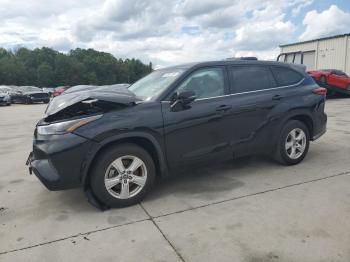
x=295, y=143
x=125, y=177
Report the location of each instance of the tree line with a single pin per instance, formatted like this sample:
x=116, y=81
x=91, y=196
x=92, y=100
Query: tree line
x=45, y=67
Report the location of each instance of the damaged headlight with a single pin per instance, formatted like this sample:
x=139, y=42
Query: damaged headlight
x=65, y=127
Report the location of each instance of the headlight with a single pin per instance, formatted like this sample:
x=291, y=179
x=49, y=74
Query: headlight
x=65, y=127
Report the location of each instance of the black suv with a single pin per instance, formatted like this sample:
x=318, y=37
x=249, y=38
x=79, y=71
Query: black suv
x=114, y=143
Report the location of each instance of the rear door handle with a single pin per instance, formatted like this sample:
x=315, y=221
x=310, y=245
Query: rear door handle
x=223, y=108
x=277, y=97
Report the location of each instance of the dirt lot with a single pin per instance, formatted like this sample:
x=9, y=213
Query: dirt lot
x=250, y=209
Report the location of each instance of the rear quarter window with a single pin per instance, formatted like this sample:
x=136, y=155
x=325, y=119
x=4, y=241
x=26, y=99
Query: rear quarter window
x=249, y=78
x=285, y=76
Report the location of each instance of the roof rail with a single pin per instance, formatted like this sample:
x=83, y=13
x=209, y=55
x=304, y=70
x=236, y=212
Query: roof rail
x=243, y=58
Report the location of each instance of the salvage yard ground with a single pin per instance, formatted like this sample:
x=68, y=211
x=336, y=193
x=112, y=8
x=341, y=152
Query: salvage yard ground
x=250, y=209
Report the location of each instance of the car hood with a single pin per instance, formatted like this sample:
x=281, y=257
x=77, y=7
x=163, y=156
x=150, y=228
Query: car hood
x=119, y=96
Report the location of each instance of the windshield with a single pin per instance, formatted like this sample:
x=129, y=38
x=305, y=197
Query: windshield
x=28, y=89
x=156, y=82
x=4, y=90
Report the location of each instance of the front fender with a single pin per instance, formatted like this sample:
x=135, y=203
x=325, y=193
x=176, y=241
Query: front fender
x=120, y=137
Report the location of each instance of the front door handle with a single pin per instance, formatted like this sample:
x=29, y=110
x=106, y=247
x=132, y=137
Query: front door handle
x=223, y=108
x=277, y=97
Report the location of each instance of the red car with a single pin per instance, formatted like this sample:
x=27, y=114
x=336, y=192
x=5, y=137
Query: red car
x=59, y=90
x=335, y=80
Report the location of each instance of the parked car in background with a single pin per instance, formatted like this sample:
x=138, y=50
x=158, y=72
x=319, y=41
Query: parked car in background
x=5, y=98
x=28, y=95
x=115, y=144
x=48, y=90
x=335, y=80
x=59, y=90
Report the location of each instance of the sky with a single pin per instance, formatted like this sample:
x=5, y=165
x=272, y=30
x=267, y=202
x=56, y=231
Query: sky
x=169, y=32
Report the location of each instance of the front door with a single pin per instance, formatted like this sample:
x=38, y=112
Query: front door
x=199, y=130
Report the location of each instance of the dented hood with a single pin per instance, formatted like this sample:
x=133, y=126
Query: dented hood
x=119, y=95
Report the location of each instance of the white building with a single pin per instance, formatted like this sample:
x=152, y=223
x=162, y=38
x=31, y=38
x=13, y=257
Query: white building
x=323, y=53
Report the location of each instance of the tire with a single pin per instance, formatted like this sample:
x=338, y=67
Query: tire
x=301, y=147
x=46, y=101
x=28, y=101
x=114, y=196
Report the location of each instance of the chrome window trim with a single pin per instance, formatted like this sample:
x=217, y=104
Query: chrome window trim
x=248, y=92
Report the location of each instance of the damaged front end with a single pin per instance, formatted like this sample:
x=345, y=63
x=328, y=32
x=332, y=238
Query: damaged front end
x=59, y=153
x=87, y=103
x=70, y=111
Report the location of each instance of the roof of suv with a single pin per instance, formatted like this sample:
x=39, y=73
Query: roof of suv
x=298, y=67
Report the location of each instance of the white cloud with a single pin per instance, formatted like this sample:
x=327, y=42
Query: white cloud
x=329, y=22
x=296, y=10
x=260, y=33
x=164, y=32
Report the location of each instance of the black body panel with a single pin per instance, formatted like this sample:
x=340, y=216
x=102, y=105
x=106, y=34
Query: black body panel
x=232, y=124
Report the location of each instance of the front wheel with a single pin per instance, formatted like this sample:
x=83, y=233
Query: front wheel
x=122, y=175
x=28, y=101
x=293, y=144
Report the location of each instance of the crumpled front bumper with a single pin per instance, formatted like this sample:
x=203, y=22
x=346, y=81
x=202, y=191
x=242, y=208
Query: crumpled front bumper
x=58, y=160
x=46, y=173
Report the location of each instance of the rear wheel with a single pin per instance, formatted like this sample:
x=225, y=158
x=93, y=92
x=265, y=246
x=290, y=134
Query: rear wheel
x=293, y=144
x=123, y=175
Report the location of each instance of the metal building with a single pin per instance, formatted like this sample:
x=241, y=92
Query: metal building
x=323, y=53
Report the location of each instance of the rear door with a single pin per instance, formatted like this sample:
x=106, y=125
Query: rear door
x=253, y=98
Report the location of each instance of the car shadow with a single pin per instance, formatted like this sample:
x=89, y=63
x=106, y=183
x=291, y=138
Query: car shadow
x=337, y=96
x=207, y=182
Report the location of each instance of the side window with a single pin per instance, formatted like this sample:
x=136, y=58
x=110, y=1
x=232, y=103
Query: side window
x=339, y=73
x=285, y=76
x=249, y=78
x=205, y=83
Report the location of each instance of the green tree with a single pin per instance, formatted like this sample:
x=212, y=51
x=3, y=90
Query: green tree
x=47, y=67
x=45, y=75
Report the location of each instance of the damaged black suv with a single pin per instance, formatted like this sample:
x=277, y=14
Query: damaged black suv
x=114, y=143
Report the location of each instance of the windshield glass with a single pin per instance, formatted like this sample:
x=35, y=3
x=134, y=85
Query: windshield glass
x=28, y=89
x=153, y=84
x=4, y=90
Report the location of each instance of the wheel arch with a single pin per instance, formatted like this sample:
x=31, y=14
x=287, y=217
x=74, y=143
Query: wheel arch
x=325, y=77
x=145, y=141
x=301, y=116
x=305, y=119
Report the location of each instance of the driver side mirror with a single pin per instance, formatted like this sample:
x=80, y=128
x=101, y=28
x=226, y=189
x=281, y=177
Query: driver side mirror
x=186, y=97
x=180, y=101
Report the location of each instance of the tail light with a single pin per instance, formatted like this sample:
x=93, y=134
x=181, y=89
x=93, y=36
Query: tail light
x=320, y=91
